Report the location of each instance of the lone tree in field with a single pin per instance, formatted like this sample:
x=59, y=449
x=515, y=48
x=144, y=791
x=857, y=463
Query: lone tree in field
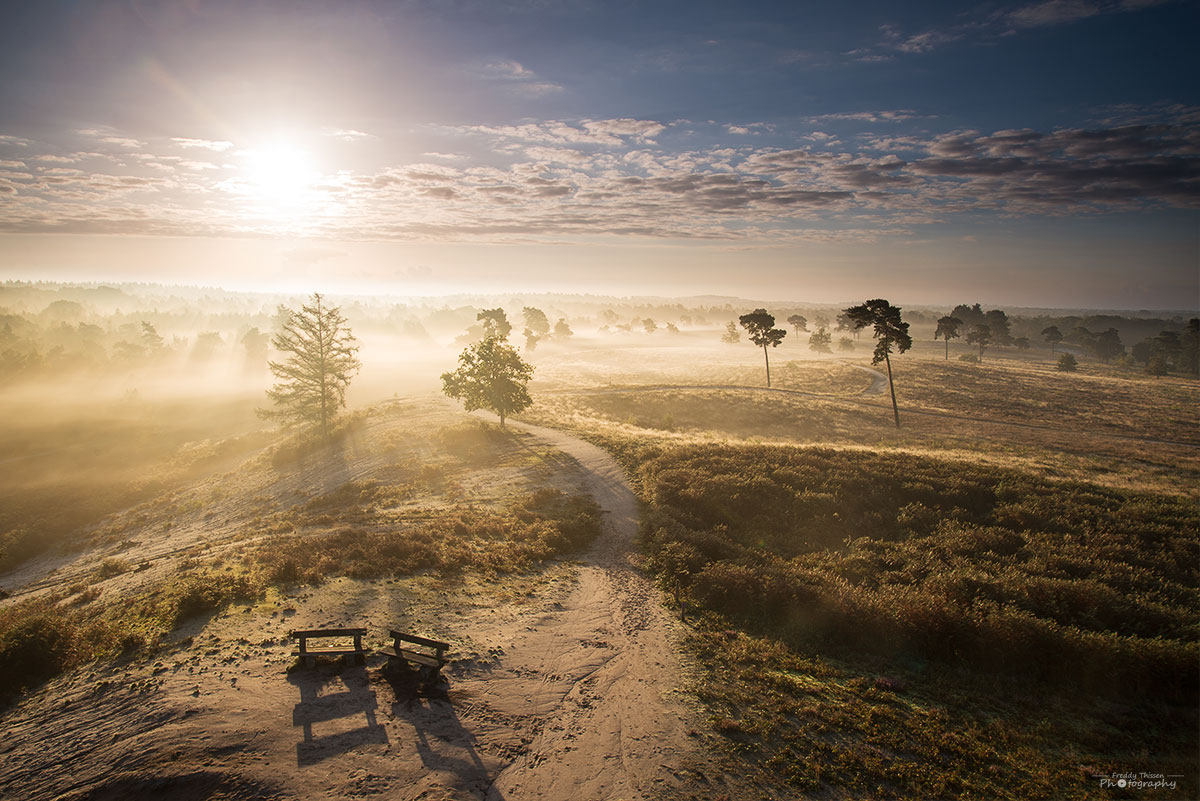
x=731, y=336
x=819, y=341
x=319, y=364
x=490, y=375
x=947, y=329
x=798, y=322
x=760, y=327
x=890, y=332
x=1052, y=335
x=980, y=335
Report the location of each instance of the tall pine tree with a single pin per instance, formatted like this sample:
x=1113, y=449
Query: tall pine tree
x=320, y=361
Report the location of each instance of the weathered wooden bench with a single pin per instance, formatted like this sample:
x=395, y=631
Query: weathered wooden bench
x=429, y=665
x=309, y=652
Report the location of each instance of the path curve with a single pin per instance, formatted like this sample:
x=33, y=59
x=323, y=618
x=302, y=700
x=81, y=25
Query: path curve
x=621, y=730
x=879, y=381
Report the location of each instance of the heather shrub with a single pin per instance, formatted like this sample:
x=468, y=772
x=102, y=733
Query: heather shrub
x=934, y=560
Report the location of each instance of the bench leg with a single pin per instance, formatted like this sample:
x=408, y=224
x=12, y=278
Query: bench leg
x=309, y=661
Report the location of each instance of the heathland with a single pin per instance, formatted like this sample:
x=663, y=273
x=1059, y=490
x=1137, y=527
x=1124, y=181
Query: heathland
x=996, y=599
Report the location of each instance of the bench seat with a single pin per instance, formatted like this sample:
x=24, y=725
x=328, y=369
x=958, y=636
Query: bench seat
x=429, y=665
x=308, y=650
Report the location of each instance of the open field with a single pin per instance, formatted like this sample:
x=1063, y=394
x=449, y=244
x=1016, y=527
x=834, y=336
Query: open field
x=995, y=600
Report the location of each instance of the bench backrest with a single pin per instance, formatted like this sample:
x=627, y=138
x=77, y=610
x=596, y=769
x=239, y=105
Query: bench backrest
x=437, y=645
x=327, y=633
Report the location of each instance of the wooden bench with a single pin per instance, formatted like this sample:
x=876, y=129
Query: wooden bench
x=308, y=653
x=429, y=665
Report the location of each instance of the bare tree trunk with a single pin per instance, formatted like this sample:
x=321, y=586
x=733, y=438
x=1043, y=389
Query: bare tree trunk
x=502, y=419
x=947, y=348
x=767, y=359
x=892, y=387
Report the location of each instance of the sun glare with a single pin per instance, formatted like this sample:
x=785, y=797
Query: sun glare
x=279, y=170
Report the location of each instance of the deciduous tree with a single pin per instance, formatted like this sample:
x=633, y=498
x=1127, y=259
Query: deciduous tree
x=731, y=336
x=1052, y=335
x=760, y=327
x=891, y=335
x=490, y=375
x=320, y=361
x=536, y=326
x=980, y=335
x=798, y=322
x=820, y=340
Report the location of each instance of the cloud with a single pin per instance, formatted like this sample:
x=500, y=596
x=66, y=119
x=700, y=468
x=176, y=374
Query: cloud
x=557, y=180
x=206, y=144
x=897, y=115
x=613, y=132
x=347, y=134
x=994, y=24
x=518, y=78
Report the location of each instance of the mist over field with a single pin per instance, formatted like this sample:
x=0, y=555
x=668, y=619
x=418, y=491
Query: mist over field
x=528, y=401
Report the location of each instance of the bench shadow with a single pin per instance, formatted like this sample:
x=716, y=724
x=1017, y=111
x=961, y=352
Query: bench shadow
x=442, y=742
x=317, y=708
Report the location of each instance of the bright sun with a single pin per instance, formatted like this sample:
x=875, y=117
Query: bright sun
x=278, y=171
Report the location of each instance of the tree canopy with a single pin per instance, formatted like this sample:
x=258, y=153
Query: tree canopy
x=760, y=327
x=537, y=326
x=947, y=329
x=891, y=335
x=490, y=375
x=980, y=335
x=1052, y=335
x=320, y=361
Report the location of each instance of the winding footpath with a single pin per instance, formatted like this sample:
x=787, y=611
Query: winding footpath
x=608, y=666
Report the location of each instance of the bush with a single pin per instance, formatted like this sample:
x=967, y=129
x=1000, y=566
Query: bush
x=36, y=644
x=892, y=553
x=1067, y=363
x=968, y=357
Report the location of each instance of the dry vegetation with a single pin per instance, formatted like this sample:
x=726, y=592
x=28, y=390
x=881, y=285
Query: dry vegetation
x=439, y=496
x=998, y=600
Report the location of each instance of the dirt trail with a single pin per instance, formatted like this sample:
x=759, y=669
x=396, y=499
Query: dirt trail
x=615, y=732
x=566, y=692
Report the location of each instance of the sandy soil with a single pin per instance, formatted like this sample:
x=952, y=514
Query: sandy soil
x=566, y=689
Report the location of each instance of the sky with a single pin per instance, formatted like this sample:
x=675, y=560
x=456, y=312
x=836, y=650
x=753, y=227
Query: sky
x=1042, y=153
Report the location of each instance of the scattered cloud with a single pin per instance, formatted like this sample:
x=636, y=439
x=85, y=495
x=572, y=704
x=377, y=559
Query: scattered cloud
x=608, y=177
x=894, y=41
x=518, y=78
x=897, y=115
x=206, y=144
x=347, y=134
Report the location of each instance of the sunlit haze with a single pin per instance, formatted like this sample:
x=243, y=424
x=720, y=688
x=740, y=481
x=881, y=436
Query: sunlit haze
x=1037, y=154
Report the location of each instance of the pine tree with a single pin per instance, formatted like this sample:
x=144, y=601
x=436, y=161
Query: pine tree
x=319, y=365
x=890, y=332
x=760, y=325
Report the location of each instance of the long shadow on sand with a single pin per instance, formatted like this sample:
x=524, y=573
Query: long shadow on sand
x=316, y=708
x=443, y=743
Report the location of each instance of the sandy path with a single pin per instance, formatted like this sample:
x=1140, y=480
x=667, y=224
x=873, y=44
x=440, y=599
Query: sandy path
x=612, y=728
x=568, y=693
x=879, y=381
